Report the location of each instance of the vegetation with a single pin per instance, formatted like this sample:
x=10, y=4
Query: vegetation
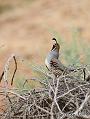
x=5, y=8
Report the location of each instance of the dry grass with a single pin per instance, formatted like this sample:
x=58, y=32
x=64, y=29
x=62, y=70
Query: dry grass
x=65, y=97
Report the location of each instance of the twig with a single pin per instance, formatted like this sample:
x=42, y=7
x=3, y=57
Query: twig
x=67, y=86
x=82, y=105
x=10, y=103
x=55, y=96
x=14, y=70
x=71, y=90
x=84, y=72
x=1, y=76
x=18, y=95
x=82, y=117
x=67, y=103
x=52, y=106
x=6, y=67
x=43, y=109
x=34, y=79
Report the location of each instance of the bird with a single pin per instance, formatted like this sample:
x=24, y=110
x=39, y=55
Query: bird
x=53, y=63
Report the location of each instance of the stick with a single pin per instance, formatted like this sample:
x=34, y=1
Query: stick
x=1, y=76
x=82, y=105
x=14, y=70
x=3, y=73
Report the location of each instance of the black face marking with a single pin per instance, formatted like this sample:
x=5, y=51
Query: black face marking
x=54, y=46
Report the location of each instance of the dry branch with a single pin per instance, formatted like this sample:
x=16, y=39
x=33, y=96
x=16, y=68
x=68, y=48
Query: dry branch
x=6, y=67
x=65, y=97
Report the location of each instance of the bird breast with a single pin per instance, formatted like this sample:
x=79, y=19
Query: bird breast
x=50, y=56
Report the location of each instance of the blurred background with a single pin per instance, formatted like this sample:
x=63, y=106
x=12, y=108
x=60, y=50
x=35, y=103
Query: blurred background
x=27, y=27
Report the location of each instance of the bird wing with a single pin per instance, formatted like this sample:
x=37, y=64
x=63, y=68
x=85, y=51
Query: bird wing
x=56, y=64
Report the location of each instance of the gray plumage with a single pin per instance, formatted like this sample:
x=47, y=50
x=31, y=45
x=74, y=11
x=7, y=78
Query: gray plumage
x=53, y=54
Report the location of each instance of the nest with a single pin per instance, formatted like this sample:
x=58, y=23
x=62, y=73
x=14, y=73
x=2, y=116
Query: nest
x=65, y=97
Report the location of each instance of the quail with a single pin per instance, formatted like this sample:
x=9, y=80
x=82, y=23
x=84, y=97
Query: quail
x=53, y=63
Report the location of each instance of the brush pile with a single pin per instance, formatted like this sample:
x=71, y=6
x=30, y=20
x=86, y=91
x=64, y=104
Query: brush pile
x=65, y=97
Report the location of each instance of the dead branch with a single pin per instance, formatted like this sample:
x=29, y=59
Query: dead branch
x=65, y=97
x=14, y=70
x=6, y=67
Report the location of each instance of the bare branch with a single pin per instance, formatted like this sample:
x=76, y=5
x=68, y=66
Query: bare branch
x=82, y=105
x=14, y=70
